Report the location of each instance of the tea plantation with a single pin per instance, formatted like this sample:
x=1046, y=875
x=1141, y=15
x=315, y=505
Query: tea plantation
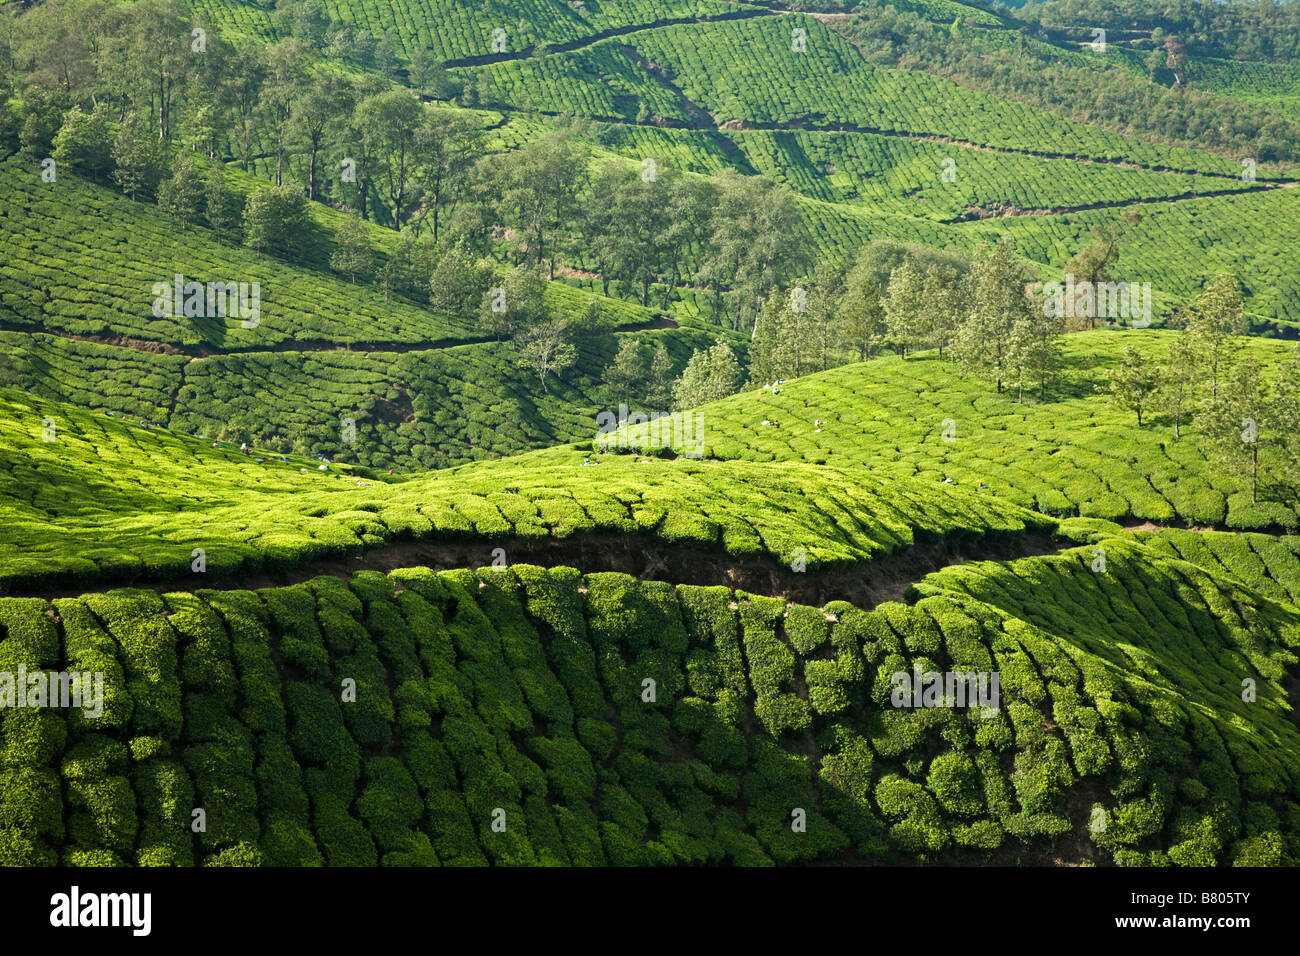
x=370, y=581
x=526, y=716
x=109, y=500
x=1074, y=454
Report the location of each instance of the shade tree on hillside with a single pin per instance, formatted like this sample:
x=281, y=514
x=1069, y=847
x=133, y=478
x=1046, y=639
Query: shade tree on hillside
x=457, y=282
x=1251, y=426
x=545, y=348
x=352, y=255
x=751, y=248
x=515, y=302
x=275, y=219
x=180, y=196
x=710, y=374
x=1096, y=264
x=1177, y=396
x=863, y=311
x=1135, y=382
x=903, y=298
x=997, y=302
x=139, y=157
x=538, y=192
x=627, y=371
x=800, y=329
x=85, y=142
x=1214, y=318
x=221, y=208
x=659, y=385
x=316, y=118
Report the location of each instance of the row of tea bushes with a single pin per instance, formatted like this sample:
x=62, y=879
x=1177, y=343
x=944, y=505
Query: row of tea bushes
x=1073, y=454
x=523, y=716
x=107, y=500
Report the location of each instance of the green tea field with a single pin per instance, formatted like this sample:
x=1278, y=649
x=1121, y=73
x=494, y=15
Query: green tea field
x=648, y=434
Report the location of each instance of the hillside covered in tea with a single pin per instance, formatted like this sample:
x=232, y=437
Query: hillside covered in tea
x=690, y=432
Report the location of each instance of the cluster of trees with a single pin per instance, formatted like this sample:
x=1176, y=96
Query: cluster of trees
x=1248, y=422
x=1161, y=107
x=973, y=310
x=1267, y=30
x=156, y=69
x=642, y=232
x=115, y=91
x=639, y=374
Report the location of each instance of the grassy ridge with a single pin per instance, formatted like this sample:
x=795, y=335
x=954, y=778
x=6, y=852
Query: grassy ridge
x=114, y=501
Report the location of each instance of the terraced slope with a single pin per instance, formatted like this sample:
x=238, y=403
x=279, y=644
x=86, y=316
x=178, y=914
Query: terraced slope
x=457, y=31
x=523, y=716
x=746, y=73
x=1074, y=454
x=77, y=324
x=868, y=148
x=82, y=260
x=106, y=500
x=426, y=408
x=903, y=176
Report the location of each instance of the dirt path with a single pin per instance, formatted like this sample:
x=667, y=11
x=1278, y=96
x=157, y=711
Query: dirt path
x=864, y=585
x=570, y=45
x=201, y=351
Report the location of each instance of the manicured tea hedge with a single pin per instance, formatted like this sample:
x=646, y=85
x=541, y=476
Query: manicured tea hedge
x=598, y=719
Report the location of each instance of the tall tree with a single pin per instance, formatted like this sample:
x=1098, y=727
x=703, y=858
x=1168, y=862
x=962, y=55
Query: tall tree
x=688, y=203
x=940, y=308
x=1217, y=318
x=539, y=188
x=903, y=305
x=248, y=76
x=179, y=195
x=221, y=208
x=545, y=348
x=863, y=311
x=627, y=371
x=447, y=144
x=1178, y=389
x=659, y=389
x=84, y=142
x=1095, y=263
x=457, y=283
x=352, y=254
x=325, y=101
x=1239, y=428
x=516, y=302
x=710, y=374
x=286, y=82
x=275, y=218
x=752, y=248
x=138, y=158
x=1134, y=383
x=391, y=124
x=997, y=301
